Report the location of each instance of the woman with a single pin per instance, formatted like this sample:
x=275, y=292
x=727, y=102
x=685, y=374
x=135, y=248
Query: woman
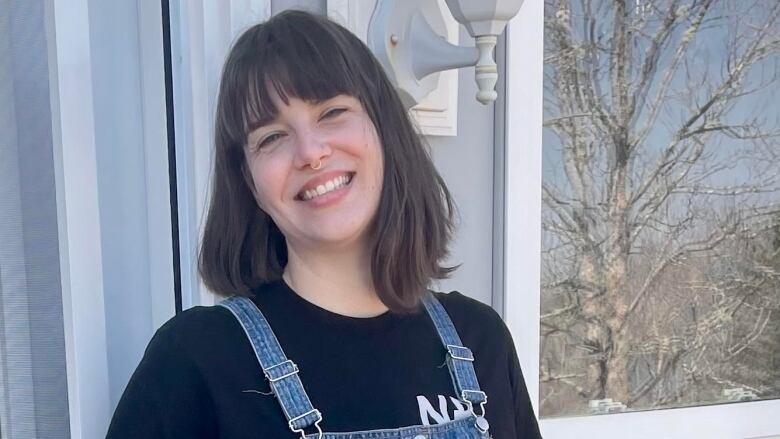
x=327, y=222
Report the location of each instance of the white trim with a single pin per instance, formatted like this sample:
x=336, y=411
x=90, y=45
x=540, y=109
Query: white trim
x=525, y=36
x=726, y=421
x=522, y=199
x=75, y=167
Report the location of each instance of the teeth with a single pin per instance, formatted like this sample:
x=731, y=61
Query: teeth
x=325, y=187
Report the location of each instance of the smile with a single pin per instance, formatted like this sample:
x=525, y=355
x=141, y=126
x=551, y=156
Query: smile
x=328, y=186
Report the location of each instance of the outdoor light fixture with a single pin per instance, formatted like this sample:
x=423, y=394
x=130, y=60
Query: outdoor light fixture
x=407, y=38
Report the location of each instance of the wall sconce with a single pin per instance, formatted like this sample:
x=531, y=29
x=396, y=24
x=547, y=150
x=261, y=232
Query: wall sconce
x=406, y=37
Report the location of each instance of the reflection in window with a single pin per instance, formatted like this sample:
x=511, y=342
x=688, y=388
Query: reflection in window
x=661, y=204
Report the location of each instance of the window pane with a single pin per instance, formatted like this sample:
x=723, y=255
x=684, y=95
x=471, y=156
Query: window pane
x=33, y=388
x=661, y=205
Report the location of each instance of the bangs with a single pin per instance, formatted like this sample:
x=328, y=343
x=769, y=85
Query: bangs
x=308, y=63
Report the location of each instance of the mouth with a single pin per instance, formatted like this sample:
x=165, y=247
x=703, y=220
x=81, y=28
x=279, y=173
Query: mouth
x=325, y=187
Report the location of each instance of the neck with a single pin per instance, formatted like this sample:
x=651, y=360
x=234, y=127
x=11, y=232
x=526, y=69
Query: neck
x=339, y=281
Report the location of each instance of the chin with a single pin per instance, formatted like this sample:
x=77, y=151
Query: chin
x=338, y=237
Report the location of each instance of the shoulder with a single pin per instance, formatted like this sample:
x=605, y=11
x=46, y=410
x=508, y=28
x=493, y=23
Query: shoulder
x=459, y=306
x=496, y=364
x=195, y=322
x=467, y=312
x=192, y=347
x=478, y=324
x=191, y=334
x=169, y=391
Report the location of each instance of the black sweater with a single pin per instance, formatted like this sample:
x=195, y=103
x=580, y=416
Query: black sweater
x=199, y=376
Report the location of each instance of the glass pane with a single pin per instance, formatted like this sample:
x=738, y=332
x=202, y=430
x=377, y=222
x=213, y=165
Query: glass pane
x=33, y=387
x=661, y=205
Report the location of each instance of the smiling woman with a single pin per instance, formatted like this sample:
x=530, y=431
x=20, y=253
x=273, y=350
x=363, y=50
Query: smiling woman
x=326, y=225
x=299, y=92
x=330, y=208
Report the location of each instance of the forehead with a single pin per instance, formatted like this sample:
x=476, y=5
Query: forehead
x=276, y=62
x=283, y=75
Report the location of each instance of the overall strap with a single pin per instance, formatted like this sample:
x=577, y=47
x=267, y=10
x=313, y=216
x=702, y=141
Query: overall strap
x=459, y=358
x=280, y=371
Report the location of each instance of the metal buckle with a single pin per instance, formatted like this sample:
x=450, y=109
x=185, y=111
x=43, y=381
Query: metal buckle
x=452, y=349
x=273, y=380
x=482, y=424
x=316, y=423
x=470, y=405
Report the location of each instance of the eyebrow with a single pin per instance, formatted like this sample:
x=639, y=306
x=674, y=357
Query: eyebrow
x=260, y=123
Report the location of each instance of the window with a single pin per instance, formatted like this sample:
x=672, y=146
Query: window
x=658, y=284
x=660, y=219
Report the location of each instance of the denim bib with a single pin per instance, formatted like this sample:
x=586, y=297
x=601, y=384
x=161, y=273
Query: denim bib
x=282, y=374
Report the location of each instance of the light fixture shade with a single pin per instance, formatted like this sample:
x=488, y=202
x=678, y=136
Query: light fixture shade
x=484, y=17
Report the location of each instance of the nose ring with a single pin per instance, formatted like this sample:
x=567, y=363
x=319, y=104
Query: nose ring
x=317, y=166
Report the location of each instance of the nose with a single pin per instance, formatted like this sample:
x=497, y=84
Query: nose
x=311, y=149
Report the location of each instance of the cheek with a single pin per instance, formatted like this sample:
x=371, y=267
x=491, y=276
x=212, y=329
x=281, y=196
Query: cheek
x=266, y=193
x=372, y=145
x=379, y=168
x=261, y=198
x=262, y=182
x=378, y=158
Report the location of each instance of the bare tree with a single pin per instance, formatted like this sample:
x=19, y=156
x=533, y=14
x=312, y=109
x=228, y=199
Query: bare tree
x=665, y=159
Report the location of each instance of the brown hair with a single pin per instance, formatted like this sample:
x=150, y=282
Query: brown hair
x=313, y=59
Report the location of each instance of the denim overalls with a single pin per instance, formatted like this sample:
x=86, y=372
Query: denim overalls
x=282, y=374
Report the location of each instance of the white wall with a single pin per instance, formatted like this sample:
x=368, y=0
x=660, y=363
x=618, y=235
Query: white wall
x=466, y=164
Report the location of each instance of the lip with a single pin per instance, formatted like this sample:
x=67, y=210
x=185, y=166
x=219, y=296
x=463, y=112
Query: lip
x=321, y=178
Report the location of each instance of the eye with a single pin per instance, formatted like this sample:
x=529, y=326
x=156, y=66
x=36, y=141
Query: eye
x=271, y=138
x=333, y=113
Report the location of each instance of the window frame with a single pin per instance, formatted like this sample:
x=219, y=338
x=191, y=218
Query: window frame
x=93, y=384
x=78, y=218
x=523, y=208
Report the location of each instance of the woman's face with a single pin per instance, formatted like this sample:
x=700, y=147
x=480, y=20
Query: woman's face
x=334, y=205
